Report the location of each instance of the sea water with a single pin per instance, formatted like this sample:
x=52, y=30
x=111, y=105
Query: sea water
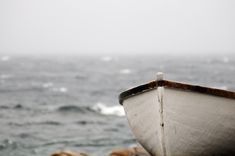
x=49, y=104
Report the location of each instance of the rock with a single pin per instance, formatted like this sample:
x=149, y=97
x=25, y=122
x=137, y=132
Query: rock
x=134, y=151
x=69, y=153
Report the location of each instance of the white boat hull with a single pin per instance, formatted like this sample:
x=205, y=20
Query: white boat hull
x=174, y=122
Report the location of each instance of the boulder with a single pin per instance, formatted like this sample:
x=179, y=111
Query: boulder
x=69, y=153
x=134, y=151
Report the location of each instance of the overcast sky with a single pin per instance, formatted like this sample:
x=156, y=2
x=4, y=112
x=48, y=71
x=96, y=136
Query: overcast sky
x=117, y=26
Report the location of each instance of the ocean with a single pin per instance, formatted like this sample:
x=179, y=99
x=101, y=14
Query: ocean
x=58, y=103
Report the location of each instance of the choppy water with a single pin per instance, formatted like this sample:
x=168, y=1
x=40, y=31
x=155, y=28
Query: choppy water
x=70, y=103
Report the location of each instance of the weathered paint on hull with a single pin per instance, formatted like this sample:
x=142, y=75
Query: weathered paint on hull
x=191, y=124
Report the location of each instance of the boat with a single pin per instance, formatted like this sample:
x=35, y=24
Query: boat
x=170, y=118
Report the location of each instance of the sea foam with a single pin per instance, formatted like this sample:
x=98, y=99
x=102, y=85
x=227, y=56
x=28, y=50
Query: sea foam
x=47, y=85
x=61, y=89
x=109, y=110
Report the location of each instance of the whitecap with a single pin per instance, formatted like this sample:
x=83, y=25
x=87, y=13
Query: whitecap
x=125, y=71
x=109, y=110
x=5, y=58
x=106, y=58
x=61, y=89
x=47, y=85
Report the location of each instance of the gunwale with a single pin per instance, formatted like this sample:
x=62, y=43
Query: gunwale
x=174, y=85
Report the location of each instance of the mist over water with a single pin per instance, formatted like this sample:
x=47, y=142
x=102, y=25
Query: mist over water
x=58, y=103
x=59, y=26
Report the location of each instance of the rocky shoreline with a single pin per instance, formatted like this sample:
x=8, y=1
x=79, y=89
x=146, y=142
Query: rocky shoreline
x=133, y=151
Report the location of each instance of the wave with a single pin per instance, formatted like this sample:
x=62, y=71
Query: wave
x=4, y=107
x=72, y=108
x=80, y=77
x=49, y=122
x=99, y=108
x=47, y=85
x=16, y=107
x=8, y=143
x=61, y=89
x=105, y=142
x=50, y=86
x=109, y=110
x=55, y=123
x=21, y=89
x=84, y=122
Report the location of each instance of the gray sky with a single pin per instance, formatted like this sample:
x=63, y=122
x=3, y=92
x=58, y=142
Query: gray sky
x=117, y=26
